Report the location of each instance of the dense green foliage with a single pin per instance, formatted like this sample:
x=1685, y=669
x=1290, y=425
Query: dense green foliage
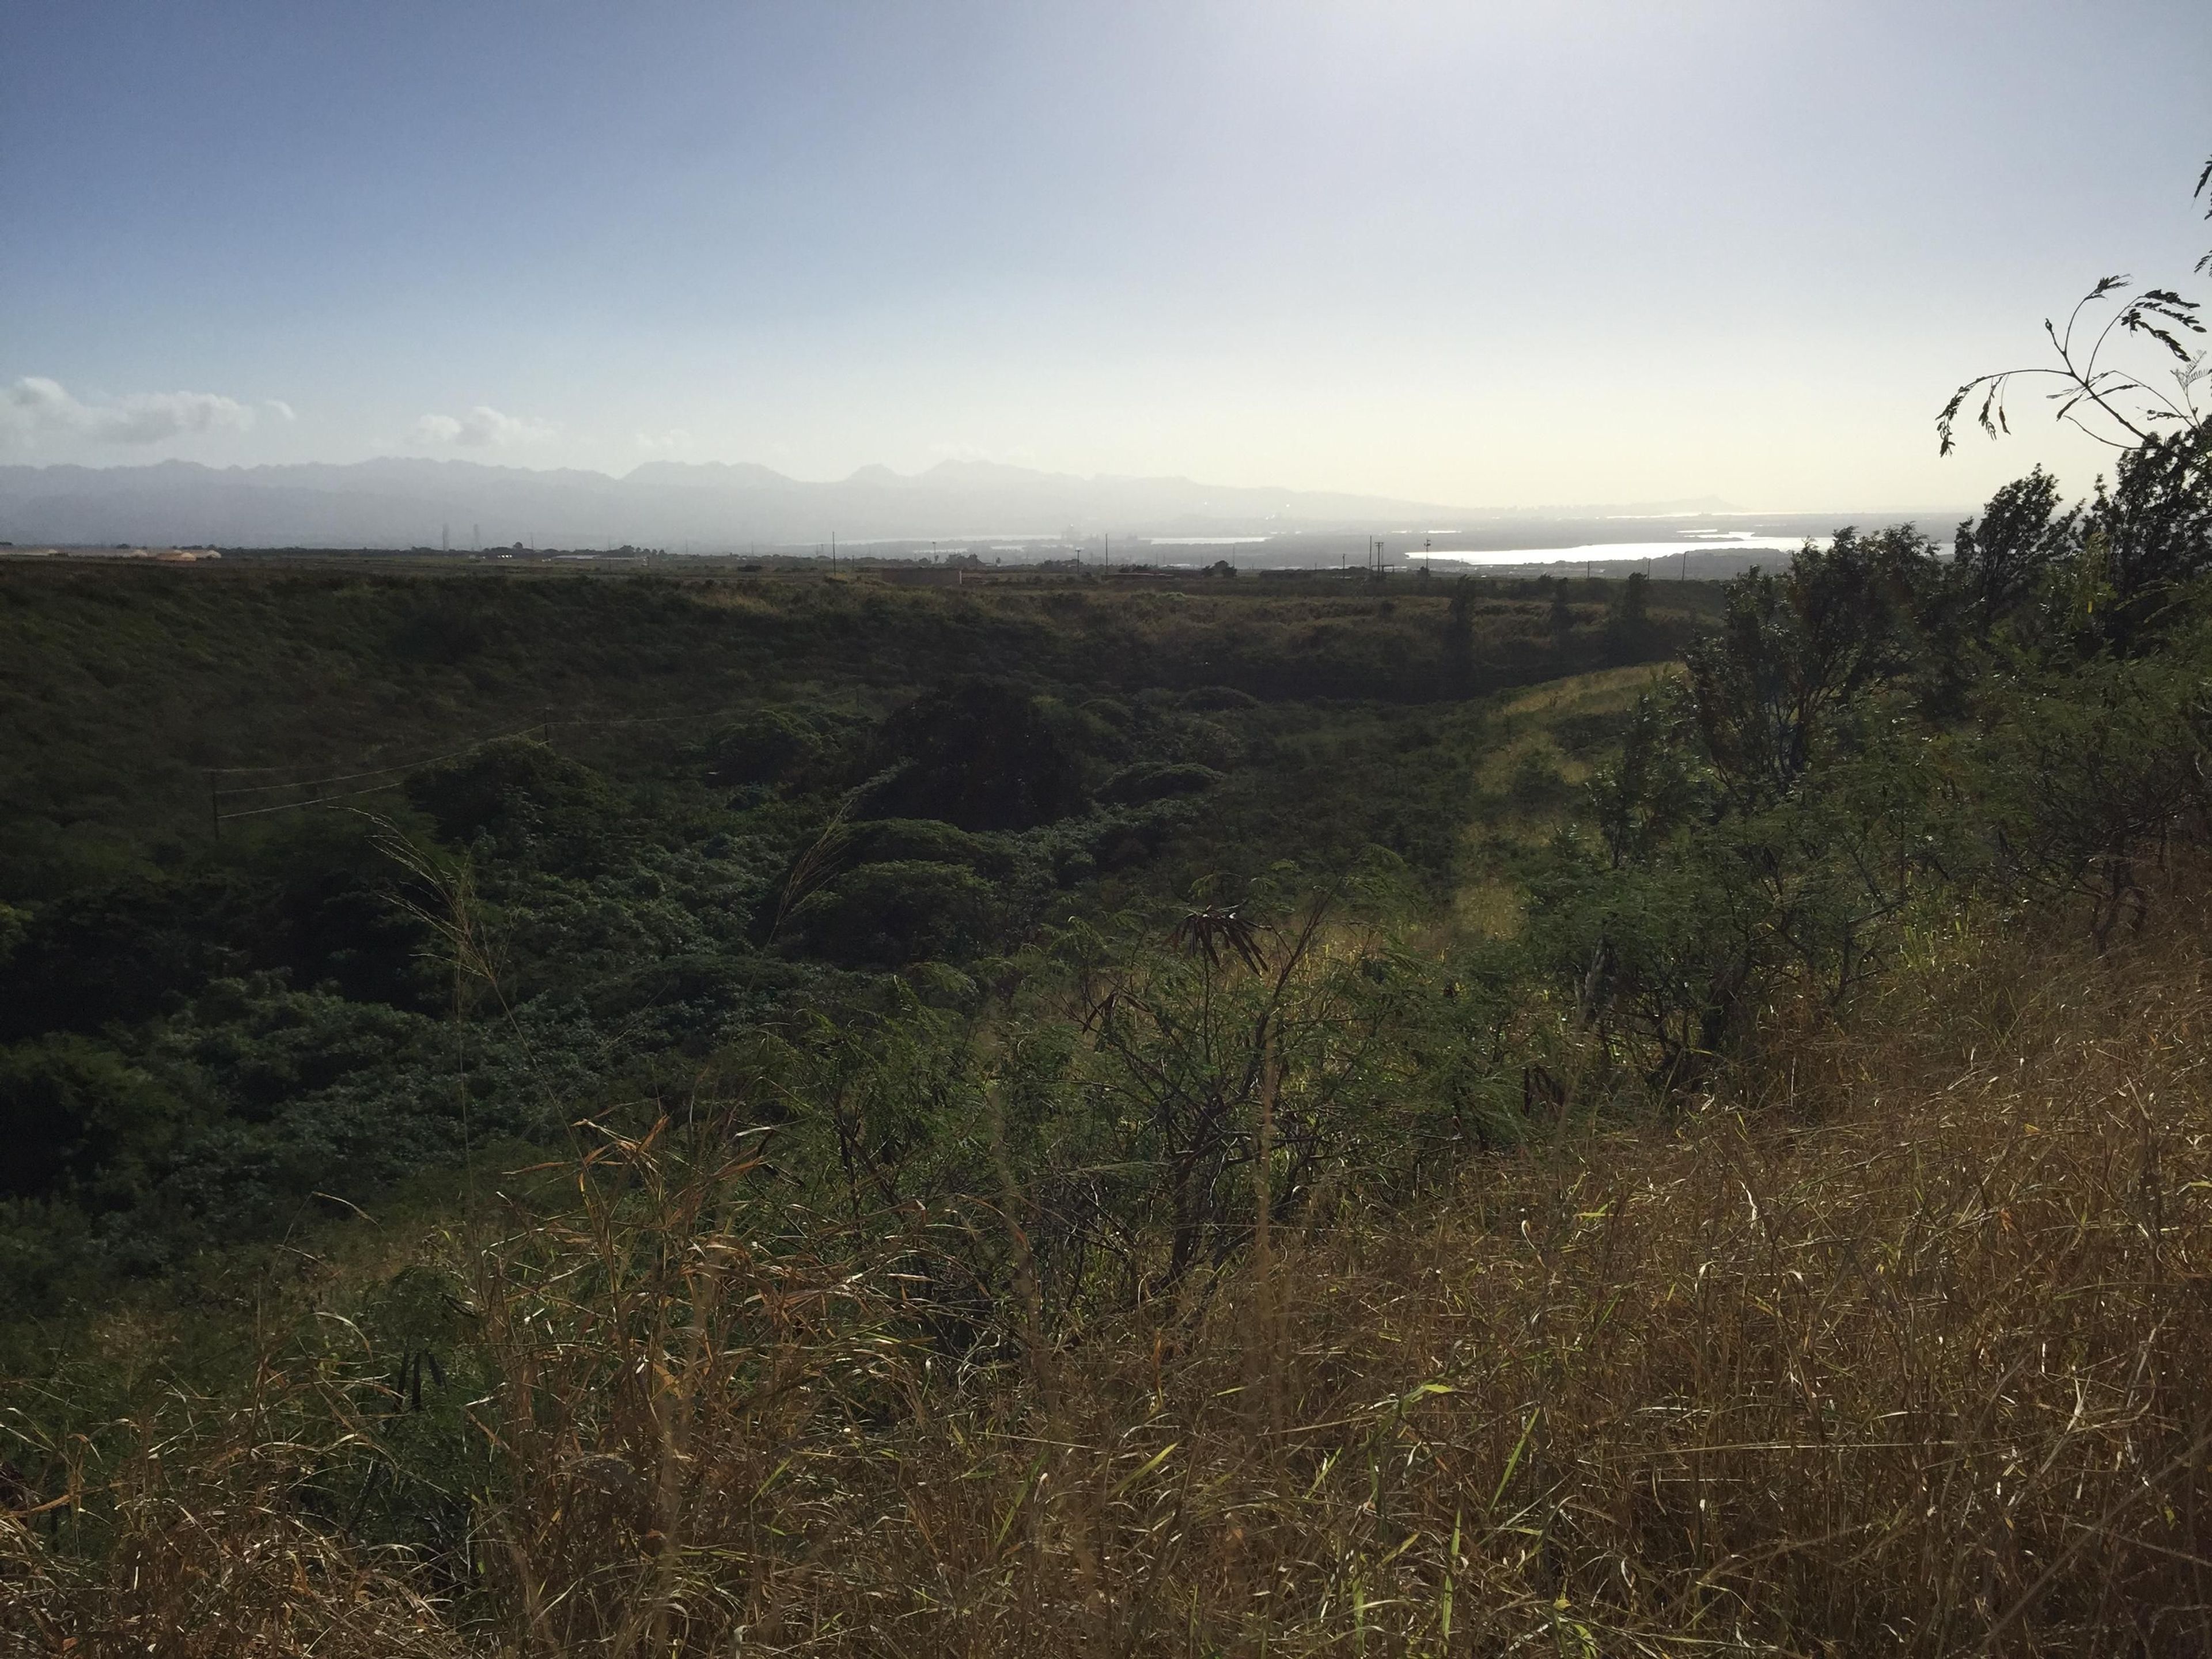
x=1049, y=1001
x=867, y=849
x=1057, y=991
x=724, y=807
x=863, y=853
x=904, y=1028
x=1878, y=737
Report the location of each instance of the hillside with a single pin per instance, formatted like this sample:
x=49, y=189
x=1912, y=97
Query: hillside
x=1305, y=1115
x=239, y=800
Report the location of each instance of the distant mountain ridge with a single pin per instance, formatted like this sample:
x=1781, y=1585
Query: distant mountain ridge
x=401, y=501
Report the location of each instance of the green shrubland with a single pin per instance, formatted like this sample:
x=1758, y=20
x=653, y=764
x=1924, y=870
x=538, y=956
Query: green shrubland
x=675, y=813
x=1020, y=1165
x=1281, y=1118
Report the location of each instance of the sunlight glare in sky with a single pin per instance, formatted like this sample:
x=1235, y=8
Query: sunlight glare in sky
x=1478, y=255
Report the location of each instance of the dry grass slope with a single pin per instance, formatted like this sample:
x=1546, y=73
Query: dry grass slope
x=1903, y=1347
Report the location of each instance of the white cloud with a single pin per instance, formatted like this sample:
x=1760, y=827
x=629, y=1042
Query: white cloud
x=36, y=407
x=283, y=411
x=664, y=443
x=482, y=428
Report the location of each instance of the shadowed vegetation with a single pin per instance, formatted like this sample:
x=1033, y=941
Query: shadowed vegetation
x=1294, y=1117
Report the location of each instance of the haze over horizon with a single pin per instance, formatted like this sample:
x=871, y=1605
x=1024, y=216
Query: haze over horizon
x=964, y=470
x=1484, y=256
x=417, y=502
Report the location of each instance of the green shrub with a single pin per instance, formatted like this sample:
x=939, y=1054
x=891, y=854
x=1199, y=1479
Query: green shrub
x=79, y=1119
x=924, y=841
x=885, y=915
x=1215, y=699
x=522, y=795
x=444, y=629
x=981, y=754
x=1151, y=780
x=117, y=949
x=1537, y=782
x=766, y=747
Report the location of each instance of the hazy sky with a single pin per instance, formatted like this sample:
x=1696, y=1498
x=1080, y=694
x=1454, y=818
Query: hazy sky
x=1479, y=253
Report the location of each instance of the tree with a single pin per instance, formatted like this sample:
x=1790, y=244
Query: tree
x=2117, y=403
x=981, y=753
x=1459, y=638
x=2002, y=560
x=1794, y=652
x=2151, y=530
x=1628, y=629
x=1562, y=618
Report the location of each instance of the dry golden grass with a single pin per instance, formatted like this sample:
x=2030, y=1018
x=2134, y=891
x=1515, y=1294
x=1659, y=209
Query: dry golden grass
x=206, y=1554
x=730, y=596
x=1606, y=691
x=1529, y=717
x=1492, y=905
x=1903, y=1347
